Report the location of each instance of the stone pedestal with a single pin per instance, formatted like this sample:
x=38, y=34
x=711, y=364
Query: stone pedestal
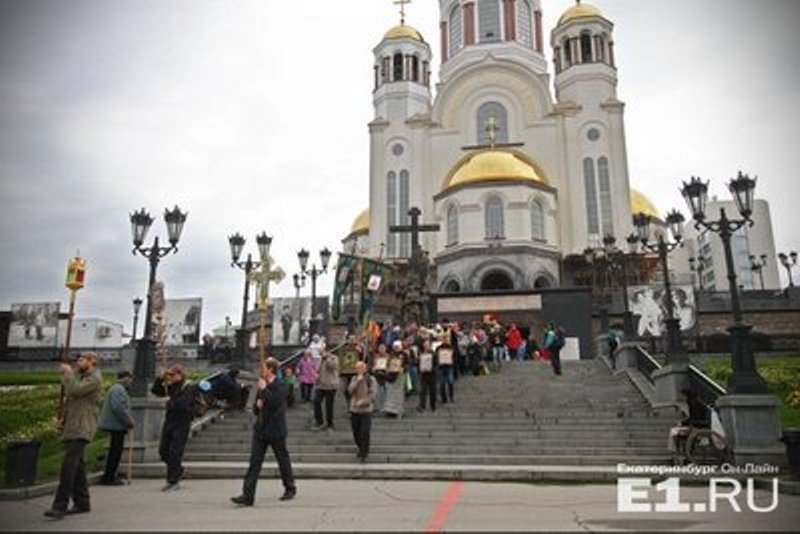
x=669, y=381
x=148, y=415
x=627, y=356
x=752, y=428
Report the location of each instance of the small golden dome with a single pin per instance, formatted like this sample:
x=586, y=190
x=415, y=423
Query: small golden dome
x=641, y=204
x=361, y=224
x=494, y=164
x=401, y=31
x=579, y=11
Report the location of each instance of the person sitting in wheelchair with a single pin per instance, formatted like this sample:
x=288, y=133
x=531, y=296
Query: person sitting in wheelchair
x=696, y=415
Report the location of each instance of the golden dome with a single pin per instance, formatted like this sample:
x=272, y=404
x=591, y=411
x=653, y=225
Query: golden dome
x=579, y=11
x=361, y=224
x=641, y=204
x=494, y=164
x=401, y=31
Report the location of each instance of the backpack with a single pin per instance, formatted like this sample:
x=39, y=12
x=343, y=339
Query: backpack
x=559, y=342
x=199, y=401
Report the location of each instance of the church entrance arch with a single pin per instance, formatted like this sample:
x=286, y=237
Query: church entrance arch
x=451, y=286
x=542, y=282
x=496, y=281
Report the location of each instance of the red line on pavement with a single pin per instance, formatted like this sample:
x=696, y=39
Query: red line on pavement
x=449, y=500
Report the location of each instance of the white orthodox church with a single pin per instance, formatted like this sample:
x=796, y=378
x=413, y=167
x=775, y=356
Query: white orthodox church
x=516, y=174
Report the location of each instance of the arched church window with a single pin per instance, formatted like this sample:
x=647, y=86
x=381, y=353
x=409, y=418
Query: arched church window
x=452, y=225
x=567, y=47
x=537, y=220
x=489, y=20
x=606, y=211
x=403, y=207
x=524, y=26
x=391, y=213
x=497, y=281
x=451, y=286
x=415, y=69
x=397, y=70
x=542, y=282
x=586, y=47
x=496, y=110
x=591, y=196
x=456, y=33
x=495, y=226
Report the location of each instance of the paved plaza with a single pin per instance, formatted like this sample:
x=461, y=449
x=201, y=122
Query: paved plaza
x=203, y=505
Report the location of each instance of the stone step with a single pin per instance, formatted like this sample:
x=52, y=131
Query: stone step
x=446, y=425
x=354, y=470
x=441, y=459
x=505, y=450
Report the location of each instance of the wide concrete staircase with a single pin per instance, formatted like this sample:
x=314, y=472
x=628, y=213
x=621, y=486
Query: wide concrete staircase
x=519, y=424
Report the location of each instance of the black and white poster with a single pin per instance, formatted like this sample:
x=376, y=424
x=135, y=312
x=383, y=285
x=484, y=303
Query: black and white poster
x=649, y=308
x=34, y=324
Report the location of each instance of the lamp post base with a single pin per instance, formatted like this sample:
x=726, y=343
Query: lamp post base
x=148, y=415
x=669, y=382
x=241, y=355
x=752, y=428
x=745, y=379
x=144, y=367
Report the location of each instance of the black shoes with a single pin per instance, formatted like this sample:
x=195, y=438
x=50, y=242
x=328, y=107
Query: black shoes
x=115, y=482
x=55, y=514
x=75, y=510
x=288, y=495
x=242, y=500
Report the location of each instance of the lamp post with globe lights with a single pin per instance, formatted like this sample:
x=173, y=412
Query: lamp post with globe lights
x=748, y=412
x=757, y=266
x=237, y=242
x=325, y=258
x=144, y=363
x=675, y=352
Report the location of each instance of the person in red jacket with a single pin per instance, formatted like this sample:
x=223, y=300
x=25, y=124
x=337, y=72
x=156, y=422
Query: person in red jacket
x=514, y=341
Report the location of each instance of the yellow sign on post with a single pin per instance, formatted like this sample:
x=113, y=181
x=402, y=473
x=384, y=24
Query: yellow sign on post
x=76, y=273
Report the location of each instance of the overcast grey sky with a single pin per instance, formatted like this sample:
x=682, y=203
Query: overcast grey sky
x=252, y=115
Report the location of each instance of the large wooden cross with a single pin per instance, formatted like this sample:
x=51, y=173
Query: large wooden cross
x=414, y=228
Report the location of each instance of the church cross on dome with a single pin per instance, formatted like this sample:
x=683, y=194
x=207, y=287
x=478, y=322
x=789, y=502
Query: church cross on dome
x=491, y=128
x=402, y=4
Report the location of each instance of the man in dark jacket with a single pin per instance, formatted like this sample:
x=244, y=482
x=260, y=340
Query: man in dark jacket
x=177, y=421
x=81, y=392
x=269, y=430
x=116, y=419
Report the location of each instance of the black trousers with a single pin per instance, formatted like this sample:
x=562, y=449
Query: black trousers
x=555, y=361
x=257, y=451
x=327, y=395
x=171, y=446
x=427, y=390
x=305, y=391
x=115, y=444
x=72, y=482
x=361, y=424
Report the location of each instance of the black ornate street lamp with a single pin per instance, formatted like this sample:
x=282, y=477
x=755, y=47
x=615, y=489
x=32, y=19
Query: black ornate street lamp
x=299, y=281
x=137, y=305
x=745, y=377
x=144, y=364
x=324, y=257
x=757, y=266
x=237, y=242
x=675, y=352
x=789, y=262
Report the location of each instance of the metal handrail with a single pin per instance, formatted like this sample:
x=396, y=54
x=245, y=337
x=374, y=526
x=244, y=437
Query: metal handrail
x=707, y=390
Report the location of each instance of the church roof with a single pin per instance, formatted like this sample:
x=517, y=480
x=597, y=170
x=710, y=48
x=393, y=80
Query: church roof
x=579, y=11
x=404, y=31
x=361, y=224
x=642, y=204
x=494, y=165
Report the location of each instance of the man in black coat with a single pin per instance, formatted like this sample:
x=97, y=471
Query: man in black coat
x=177, y=421
x=269, y=430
